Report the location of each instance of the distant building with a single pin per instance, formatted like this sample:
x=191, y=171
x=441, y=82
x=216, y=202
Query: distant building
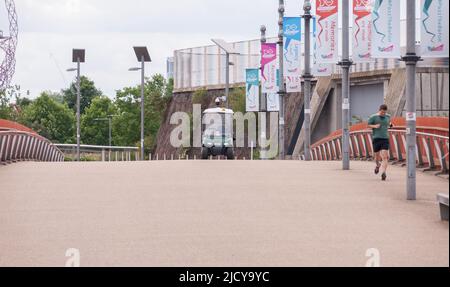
x=170, y=65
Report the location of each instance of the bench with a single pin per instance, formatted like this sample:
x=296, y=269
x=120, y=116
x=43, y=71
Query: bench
x=443, y=204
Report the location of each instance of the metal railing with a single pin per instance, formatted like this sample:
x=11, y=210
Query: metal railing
x=432, y=150
x=102, y=153
x=24, y=146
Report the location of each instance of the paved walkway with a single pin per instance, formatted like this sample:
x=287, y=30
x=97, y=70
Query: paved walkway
x=217, y=213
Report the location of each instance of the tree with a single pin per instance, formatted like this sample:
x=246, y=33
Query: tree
x=126, y=125
x=6, y=110
x=88, y=93
x=94, y=122
x=237, y=100
x=169, y=88
x=50, y=119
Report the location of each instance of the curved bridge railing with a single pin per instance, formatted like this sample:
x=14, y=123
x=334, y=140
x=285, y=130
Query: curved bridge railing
x=20, y=143
x=24, y=146
x=432, y=144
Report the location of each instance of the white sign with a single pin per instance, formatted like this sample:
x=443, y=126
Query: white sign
x=328, y=31
x=273, y=102
x=386, y=29
x=362, y=31
x=252, y=90
x=411, y=117
x=434, y=25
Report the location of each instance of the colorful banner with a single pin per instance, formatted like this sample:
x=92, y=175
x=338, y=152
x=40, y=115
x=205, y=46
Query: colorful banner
x=252, y=90
x=327, y=36
x=434, y=22
x=273, y=102
x=292, y=53
x=269, y=68
x=386, y=29
x=362, y=31
x=318, y=69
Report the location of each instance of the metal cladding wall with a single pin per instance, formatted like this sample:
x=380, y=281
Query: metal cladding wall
x=205, y=66
x=19, y=143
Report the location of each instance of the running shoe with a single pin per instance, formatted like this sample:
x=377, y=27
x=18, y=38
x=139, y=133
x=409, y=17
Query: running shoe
x=377, y=169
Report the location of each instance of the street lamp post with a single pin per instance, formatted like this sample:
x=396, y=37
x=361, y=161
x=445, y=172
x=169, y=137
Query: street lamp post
x=263, y=106
x=229, y=50
x=411, y=60
x=282, y=88
x=307, y=79
x=142, y=56
x=78, y=56
x=345, y=64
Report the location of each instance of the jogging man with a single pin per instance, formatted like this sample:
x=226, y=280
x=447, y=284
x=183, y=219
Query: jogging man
x=380, y=123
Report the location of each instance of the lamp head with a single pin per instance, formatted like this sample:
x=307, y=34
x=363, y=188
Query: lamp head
x=307, y=6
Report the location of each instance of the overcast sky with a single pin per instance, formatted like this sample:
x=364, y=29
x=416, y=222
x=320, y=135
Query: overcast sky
x=108, y=29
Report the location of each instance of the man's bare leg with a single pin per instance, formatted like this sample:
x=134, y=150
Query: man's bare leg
x=378, y=160
x=385, y=163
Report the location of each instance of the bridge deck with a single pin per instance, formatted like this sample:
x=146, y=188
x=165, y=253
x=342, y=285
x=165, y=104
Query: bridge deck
x=265, y=213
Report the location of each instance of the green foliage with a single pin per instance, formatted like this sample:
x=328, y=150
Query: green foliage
x=237, y=100
x=88, y=93
x=58, y=97
x=200, y=98
x=6, y=110
x=23, y=102
x=169, y=88
x=52, y=115
x=50, y=119
x=95, y=121
x=126, y=126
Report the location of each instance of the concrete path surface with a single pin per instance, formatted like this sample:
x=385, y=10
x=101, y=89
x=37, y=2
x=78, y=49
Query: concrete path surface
x=218, y=213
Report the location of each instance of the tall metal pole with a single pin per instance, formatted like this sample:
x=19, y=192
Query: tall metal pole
x=345, y=64
x=110, y=130
x=263, y=104
x=281, y=90
x=78, y=108
x=411, y=60
x=307, y=79
x=227, y=79
x=142, y=106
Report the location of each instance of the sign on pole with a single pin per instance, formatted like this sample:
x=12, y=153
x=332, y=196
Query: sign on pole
x=386, y=29
x=292, y=52
x=362, y=31
x=318, y=69
x=269, y=67
x=252, y=90
x=328, y=31
x=273, y=102
x=435, y=23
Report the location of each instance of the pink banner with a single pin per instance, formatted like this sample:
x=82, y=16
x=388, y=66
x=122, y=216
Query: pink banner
x=269, y=67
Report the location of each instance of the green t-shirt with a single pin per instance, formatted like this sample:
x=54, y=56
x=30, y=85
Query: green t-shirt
x=385, y=122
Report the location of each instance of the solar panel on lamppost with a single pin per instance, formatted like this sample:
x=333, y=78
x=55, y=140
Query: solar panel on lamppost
x=229, y=50
x=142, y=56
x=78, y=56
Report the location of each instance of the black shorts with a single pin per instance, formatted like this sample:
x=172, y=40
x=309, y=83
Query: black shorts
x=380, y=144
